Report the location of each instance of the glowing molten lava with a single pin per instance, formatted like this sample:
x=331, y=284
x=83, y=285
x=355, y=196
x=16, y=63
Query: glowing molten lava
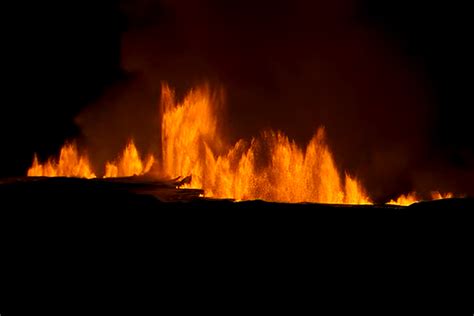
x=404, y=200
x=411, y=198
x=128, y=164
x=438, y=196
x=70, y=164
x=193, y=146
x=270, y=167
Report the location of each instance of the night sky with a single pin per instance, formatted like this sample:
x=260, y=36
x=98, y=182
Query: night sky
x=390, y=80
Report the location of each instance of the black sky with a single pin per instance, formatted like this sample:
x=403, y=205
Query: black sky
x=390, y=80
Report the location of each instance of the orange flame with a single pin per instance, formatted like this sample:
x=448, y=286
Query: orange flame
x=271, y=167
x=128, y=164
x=405, y=200
x=70, y=164
x=411, y=198
x=436, y=195
x=191, y=146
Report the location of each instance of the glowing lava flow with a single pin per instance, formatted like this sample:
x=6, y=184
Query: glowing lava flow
x=128, y=164
x=270, y=167
x=70, y=164
x=412, y=197
x=404, y=200
x=193, y=146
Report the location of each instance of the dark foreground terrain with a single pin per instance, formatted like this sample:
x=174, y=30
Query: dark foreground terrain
x=128, y=246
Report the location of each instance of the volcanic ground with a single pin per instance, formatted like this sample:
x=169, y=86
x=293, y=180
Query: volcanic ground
x=68, y=244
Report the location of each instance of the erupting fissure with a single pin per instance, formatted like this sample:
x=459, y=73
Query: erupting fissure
x=193, y=145
x=129, y=163
x=270, y=167
x=73, y=164
x=70, y=164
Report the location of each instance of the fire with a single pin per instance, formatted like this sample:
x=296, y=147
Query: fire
x=270, y=167
x=405, y=200
x=128, y=164
x=411, y=198
x=193, y=146
x=436, y=195
x=70, y=164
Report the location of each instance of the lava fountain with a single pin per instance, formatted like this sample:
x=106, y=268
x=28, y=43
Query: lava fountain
x=270, y=166
x=190, y=139
x=70, y=164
